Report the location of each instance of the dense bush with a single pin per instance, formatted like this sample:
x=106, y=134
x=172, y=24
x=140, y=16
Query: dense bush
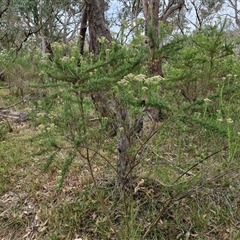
x=177, y=136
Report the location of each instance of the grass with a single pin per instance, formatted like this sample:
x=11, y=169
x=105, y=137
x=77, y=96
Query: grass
x=187, y=183
x=207, y=207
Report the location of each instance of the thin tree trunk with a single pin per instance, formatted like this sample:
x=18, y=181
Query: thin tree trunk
x=124, y=162
x=83, y=30
x=94, y=15
x=151, y=12
x=97, y=25
x=104, y=103
x=152, y=19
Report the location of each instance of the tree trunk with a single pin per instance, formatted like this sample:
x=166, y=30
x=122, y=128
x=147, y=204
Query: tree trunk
x=97, y=25
x=94, y=15
x=83, y=30
x=107, y=105
x=151, y=12
x=152, y=19
x=124, y=160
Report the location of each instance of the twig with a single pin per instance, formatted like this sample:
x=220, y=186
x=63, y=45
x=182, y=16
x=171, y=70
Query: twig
x=177, y=196
x=199, y=162
x=176, y=167
x=5, y=87
x=100, y=199
x=162, y=211
x=13, y=105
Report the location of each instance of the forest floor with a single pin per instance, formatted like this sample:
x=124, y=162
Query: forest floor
x=33, y=207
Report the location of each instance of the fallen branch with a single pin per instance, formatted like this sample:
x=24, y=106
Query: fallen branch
x=18, y=116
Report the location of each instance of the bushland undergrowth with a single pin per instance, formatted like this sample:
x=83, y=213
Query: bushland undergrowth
x=180, y=135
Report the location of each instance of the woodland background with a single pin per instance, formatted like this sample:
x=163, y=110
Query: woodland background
x=119, y=119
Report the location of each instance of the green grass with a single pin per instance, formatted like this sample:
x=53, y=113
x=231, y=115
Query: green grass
x=204, y=208
x=188, y=178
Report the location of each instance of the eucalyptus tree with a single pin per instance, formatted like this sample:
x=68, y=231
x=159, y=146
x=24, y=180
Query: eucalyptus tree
x=93, y=17
x=60, y=23
x=45, y=21
x=160, y=20
x=149, y=18
x=204, y=12
x=154, y=14
x=235, y=6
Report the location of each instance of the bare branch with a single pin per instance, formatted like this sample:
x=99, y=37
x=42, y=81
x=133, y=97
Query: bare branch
x=198, y=16
x=83, y=30
x=5, y=9
x=171, y=7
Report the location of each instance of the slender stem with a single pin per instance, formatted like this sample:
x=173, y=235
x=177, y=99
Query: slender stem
x=89, y=159
x=162, y=211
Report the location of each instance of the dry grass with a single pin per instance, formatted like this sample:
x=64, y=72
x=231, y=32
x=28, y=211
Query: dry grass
x=33, y=208
x=183, y=182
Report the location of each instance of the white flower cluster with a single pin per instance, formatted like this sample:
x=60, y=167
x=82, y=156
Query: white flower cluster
x=102, y=39
x=57, y=45
x=206, y=100
x=123, y=82
x=228, y=120
x=229, y=76
x=154, y=79
x=40, y=114
x=46, y=128
x=140, y=78
x=65, y=59
x=144, y=88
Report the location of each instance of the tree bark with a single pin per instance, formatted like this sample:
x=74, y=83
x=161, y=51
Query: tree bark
x=151, y=12
x=234, y=5
x=152, y=19
x=97, y=25
x=83, y=30
x=107, y=105
x=124, y=161
x=93, y=17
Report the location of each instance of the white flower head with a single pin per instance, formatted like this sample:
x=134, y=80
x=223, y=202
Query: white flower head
x=102, y=39
x=123, y=82
x=140, y=77
x=155, y=79
x=65, y=59
x=129, y=76
x=121, y=129
x=229, y=120
x=56, y=45
x=206, y=100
